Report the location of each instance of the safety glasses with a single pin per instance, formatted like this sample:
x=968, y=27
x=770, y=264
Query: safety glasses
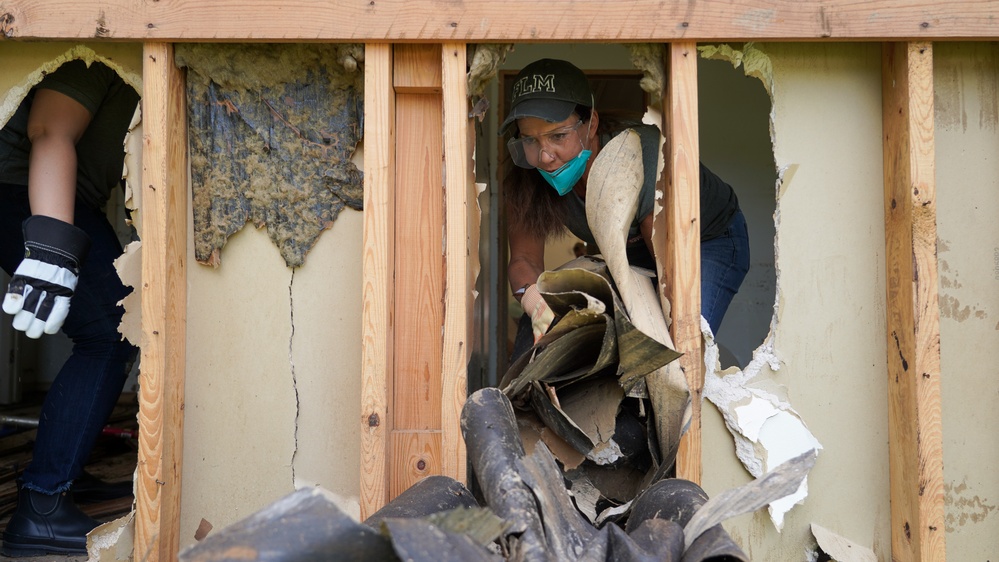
x=559, y=143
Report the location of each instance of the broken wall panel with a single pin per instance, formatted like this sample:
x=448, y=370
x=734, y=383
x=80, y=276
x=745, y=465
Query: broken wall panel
x=824, y=359
x=272, y=132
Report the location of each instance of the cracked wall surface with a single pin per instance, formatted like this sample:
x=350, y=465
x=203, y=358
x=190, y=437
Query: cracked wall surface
x=274, y=372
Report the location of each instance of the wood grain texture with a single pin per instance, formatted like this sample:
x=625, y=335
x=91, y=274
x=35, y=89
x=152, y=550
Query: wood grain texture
x=419, y=262
x=164, y=301
x=459, y=280
x=429, y=21
x=915, y=440
x=418, y=69
x=377, y=330
x=681, y=255
x=417, y=455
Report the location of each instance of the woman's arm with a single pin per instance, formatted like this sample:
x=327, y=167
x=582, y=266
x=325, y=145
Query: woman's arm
x=55, y=125
x=527, y=258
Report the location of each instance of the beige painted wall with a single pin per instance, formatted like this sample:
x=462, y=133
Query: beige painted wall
x=966, y=79
x=273, y=377
x=826, y=356
x=828, y=346
x=274, y=354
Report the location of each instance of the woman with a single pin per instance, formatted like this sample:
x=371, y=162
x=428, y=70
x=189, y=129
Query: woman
x=60, y=156
x=556, y=135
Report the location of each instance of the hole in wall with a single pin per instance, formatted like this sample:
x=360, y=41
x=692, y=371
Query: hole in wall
x=29, y=367
x=735, y=143
x=734, y=128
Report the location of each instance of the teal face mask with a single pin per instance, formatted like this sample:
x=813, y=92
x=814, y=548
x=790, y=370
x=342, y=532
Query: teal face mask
x=564, y=178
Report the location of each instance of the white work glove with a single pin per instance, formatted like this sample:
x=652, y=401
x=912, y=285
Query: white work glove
x=39, y=292
x=536, y=307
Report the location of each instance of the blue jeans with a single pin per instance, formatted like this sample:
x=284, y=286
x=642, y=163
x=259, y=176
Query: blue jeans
x=84, y=393
x=724, y=264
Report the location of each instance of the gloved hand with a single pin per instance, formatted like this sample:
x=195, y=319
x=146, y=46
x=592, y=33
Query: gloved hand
x=39, y=292
x=536, y=307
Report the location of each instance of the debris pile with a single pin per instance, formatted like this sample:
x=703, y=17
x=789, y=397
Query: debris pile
x=528, y=513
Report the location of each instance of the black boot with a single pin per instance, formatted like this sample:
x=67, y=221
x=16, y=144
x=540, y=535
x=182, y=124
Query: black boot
x=91, y=489
x=46, y=524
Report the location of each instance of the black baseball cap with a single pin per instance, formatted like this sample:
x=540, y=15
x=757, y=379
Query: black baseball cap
x=548, y=89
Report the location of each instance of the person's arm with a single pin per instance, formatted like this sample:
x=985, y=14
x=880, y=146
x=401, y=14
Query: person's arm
x=55, y=125
x=40, y=291
x=527, y=259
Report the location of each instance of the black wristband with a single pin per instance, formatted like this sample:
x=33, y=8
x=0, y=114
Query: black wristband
x=55, y=241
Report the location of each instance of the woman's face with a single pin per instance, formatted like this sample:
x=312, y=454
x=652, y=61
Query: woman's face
x=548, y=146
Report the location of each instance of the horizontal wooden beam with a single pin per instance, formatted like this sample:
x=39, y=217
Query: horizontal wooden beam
x=509, y=21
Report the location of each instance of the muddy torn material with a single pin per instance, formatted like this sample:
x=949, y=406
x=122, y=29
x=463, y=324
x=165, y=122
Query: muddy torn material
x=677, y=500
x=304, y=525
x=272, y=128
x=581, y=389
x=530, y=513
x=493, y=442
x=613, y=188
x=432, y=494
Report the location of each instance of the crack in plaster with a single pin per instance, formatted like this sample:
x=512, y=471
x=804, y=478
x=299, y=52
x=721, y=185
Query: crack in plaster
x=294, y=376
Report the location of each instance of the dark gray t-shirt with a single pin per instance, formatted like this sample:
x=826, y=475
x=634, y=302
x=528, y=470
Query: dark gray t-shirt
x=100, y=151
x=718, y=202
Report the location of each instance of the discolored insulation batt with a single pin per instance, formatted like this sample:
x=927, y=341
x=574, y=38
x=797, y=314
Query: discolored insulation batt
x=272, y=132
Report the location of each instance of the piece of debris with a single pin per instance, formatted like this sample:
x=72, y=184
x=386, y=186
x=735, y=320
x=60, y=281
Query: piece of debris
x=529, y=513
x=304, y=525
x=113, y=541
x=203, y=529
x=841, y=549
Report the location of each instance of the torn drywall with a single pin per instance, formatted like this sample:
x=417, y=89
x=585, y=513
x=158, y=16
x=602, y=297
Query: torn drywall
x=649, y=58
x=753, y=61
x=129, y=267
x=113, y=541
x=767, y=430
x=272, y=132
x=129, y=264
